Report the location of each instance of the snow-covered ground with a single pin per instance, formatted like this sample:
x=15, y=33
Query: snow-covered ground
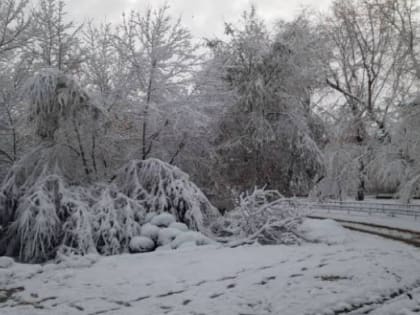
x=349, y=273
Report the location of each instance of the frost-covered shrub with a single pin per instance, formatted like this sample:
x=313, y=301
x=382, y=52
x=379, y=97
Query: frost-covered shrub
x=167, y=235
x=179, y=226
x=141, y=244
x=149, y=217
x=116, y=219
x=76, y=218
x=151, y=231
x=54, y=217
x=42, y=207
x=193, y=237
x=48, y=215
x=262, y=216
x=24, y=176
x=163, y=220
x=46, y=211
x=161, y=187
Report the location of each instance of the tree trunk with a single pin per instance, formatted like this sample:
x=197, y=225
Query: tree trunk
x=81, y=149
x=361, y=188
x=14, y=136
x=145, y=151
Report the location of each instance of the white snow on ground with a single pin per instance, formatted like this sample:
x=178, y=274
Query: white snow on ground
x=402, y=222
x=361, y=272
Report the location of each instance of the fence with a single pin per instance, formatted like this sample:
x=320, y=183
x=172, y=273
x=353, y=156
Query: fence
x=370, y=208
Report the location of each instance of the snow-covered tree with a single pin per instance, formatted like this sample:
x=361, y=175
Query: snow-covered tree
x=367, y=70
x=367, y=65
x=62, y=113
x=104, y=72
x=398, y=167
x=14, y=25
x=12, y=109
x=264, y=135
x=160, y=56
x=14, y=69
x=403, y=17
x=56, y=41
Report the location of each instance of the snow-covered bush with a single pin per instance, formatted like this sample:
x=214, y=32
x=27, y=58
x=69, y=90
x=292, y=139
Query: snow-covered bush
x=163, y=220
x=167, y=235
x=46, y=211
x=25, y=174
x=160, y=187
x=42, y=213
x=179, y=226
x=192, y=237
x=262, y=216
x=49, y=214
x=151, y=231
x=141, y=244
x=116, y=220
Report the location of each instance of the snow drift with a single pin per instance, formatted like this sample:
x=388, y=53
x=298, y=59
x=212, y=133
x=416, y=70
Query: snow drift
x=324, y=231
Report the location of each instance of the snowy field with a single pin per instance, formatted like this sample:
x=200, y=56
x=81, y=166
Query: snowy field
x=348, y=273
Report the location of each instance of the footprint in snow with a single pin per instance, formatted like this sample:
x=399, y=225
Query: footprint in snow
x=216, y=295
x=170, y=293
x=227, y=278
x=266, y=280
x=186, y=302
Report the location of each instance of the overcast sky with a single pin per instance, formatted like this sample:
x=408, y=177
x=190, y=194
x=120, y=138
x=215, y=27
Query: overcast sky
x=203, y=17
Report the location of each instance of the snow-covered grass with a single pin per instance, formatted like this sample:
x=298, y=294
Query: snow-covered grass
x=357, y=273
